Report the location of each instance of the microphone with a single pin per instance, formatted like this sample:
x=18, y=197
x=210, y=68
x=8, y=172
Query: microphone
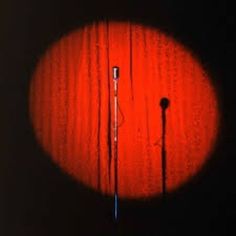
x=115, y=70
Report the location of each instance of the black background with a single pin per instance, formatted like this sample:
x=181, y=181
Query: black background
x=37, y=198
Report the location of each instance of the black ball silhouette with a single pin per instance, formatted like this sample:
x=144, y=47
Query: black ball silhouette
x=164, y=103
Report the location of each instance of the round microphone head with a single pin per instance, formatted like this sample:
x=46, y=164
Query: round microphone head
x=164, y=103
x=115, y=70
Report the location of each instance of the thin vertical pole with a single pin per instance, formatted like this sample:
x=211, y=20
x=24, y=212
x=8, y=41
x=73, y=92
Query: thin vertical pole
x=115, y=78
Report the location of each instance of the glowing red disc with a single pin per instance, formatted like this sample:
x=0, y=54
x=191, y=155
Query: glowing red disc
x=72, y=109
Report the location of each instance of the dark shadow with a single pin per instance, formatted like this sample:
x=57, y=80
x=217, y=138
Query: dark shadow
x=164, y=103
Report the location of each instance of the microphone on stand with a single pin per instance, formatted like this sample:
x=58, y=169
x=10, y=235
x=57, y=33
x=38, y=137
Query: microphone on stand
x=115, y=71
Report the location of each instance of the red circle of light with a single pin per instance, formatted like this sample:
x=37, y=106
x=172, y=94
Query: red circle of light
x=71, y=101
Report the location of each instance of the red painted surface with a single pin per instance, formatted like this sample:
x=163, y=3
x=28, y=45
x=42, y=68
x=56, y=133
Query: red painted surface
x=71, y=96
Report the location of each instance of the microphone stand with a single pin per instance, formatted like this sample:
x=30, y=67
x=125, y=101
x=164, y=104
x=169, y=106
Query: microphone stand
x=115, y=70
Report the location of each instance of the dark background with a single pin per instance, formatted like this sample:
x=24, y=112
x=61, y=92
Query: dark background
x=37, y=198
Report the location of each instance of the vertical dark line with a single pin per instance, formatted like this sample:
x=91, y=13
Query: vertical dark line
x=164, y=103
x=99, y=108
x=109, y=110
x=88, y=49
x=131, y=60
x=163, y=152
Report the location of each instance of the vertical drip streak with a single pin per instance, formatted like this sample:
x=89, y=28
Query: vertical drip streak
x=99, y=111
x=90, y=84
x=109, y=111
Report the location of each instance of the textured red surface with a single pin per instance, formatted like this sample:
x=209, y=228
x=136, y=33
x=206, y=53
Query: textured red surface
x=71, y=100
